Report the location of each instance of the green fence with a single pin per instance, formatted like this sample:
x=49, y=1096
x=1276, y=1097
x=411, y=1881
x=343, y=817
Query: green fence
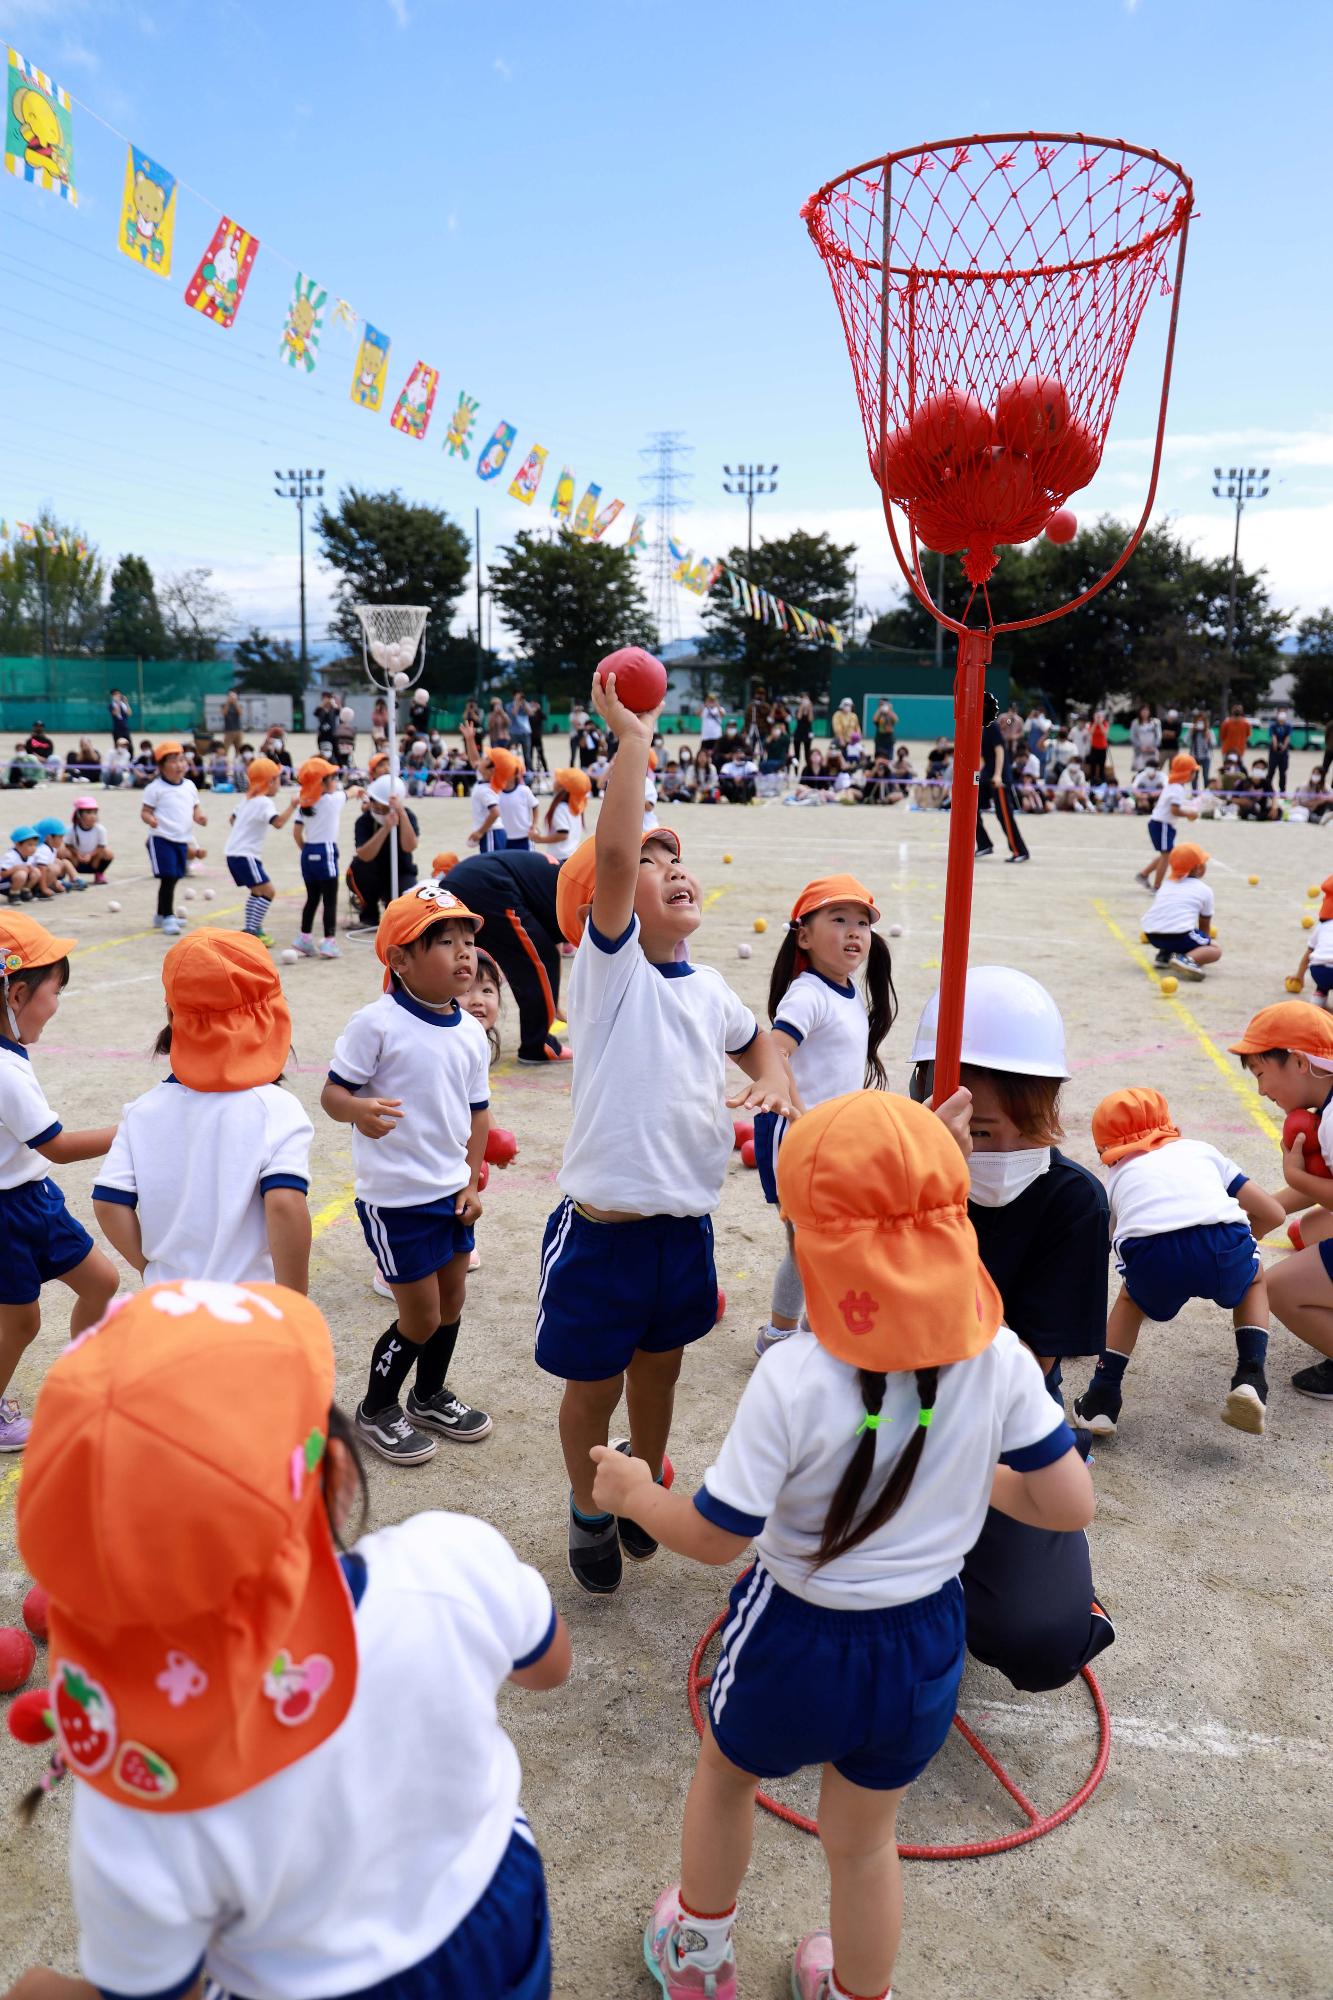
x=72, y=694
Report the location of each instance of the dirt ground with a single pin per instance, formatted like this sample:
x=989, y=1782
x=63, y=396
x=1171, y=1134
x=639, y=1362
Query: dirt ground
x=1195, y=1869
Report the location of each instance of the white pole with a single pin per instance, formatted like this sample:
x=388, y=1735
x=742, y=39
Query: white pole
x=393, y=785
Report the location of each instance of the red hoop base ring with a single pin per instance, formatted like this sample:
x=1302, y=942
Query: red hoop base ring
x=967, y=1850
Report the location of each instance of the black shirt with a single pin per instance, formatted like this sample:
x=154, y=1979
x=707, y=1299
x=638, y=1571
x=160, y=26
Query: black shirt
x=993, y=738
x=366, y=825
x=490, y=884
x=1047, y=1253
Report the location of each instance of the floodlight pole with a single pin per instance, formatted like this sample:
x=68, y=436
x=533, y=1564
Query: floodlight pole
x=302, y=485
x=751, y=482
x=1238, y=483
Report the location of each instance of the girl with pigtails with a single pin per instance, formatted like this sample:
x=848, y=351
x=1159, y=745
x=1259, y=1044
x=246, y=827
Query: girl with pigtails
x=860, y=1462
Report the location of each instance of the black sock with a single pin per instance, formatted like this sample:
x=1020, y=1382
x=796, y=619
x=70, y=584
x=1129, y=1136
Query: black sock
x=1111, y=1367
x=166, y=895
x=433, y=1358
x=390, y=1365
x=1251, y=1346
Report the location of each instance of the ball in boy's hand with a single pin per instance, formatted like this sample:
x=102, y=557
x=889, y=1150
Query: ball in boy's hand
x=747, y=1153
x=641, y=681
x=743, y=1131
x=289, y=957
x=501, y=1146
x=721, y=1308
x=1169, y=985
x=1293, y=984
x=17, y=1654
x=29, y=1718
x=761, y=923
x=113, y=907
x=1302, y=1124
x=668, y=1471
x=35, y=1607
x=743, y=951
x=895, y=930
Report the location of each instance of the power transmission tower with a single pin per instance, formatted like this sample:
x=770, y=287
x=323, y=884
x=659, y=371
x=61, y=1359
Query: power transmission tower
x=664, y=483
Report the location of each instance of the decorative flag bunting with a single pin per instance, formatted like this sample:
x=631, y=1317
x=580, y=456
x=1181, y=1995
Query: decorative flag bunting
x=219, y=283
x=585, y=514
x=501, y=442
x=42, y=538
x=461, y=425
x=608, y=514
x=528, y=478
x=757, y=603
x=344, y=315
x=637, y=538
x=372, y=365
x=562, y=500
x=411, y=413
x=305, y=323
x=147, y=213
x=39, y=143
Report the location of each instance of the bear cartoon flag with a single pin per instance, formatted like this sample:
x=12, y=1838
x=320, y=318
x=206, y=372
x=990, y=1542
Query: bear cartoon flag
x=147, y=213
x=304, y=324
x=372, y=366
x=219, y=283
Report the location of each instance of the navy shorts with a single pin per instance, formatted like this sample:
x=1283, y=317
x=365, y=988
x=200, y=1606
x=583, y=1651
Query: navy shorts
x=871, y=1692
x=1180, y=943
x=247, y=871
x=609, y=1289
x=1213, y=1260
x=413, y=1243
x=493, y=842
x=168, y=858
x=319, y=862
x=1322, y=976
x=39, y=1240
x=770, y=1129
x=1162, y=835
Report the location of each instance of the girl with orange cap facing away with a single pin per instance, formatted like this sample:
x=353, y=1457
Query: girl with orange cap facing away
x=1174, y=803
x=223, y=1674
x=316, y=834
x=861, y=1460
x=1178, y=921
x=497, y=770
x=171, y=809
x=564, y=827
x=245, y=843
x=208, y=1174
x=1317, y=958
x=628, y=1279
x=1184, y=1219
x=518, y=803
x=1288, y=1049
x=39, y=1238
x=409, y=1074
x=829, y=1034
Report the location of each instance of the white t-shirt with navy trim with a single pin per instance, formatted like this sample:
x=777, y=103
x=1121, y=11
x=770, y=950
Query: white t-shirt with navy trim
x=360, y=1860
x=571, y=828
x=174, y=807
x=1172, y=794
x=650, y=1132
x=196, y=1164
x=485, y=799
x=517, y=808
x=319, y=823
x=1321, y=947
x=86, y=840
x=437, y=1064
x=26, y=1119
x=12, y=859
x=829, y=1025
x=250, y=823
x=1177, y=1186
x=1183, y=903
x=794, y=1433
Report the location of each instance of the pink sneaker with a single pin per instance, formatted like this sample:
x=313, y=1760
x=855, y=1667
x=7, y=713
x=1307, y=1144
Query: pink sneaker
x=474, y=1260
x=666, y=1953
x=14, y=1426
x=812, y=1968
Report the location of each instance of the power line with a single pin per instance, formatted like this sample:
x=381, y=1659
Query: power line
x=664, y=483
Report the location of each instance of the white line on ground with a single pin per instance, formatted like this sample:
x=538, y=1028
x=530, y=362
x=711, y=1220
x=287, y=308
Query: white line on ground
x=1141, y=1732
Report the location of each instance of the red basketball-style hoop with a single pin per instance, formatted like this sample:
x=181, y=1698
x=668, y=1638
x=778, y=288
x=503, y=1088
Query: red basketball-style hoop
x=990, y=290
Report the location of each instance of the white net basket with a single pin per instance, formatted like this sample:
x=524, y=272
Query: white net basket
x=391, y=636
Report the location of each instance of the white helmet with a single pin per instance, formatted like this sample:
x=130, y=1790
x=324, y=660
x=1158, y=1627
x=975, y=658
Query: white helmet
x=379, y=793
x=1009, y=1023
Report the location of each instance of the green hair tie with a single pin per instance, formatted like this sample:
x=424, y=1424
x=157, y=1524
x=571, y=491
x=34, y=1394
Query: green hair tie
x=869, y=1423
x=925, y=1418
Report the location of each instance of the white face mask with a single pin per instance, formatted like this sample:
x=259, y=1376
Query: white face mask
x=999, y=1178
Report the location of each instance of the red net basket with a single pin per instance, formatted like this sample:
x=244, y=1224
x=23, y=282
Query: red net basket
x=990, y=291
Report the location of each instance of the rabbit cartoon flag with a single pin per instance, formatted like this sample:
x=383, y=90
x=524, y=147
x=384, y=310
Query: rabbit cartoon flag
x=219, y=283
x=39, y=144
x=411, y=413
x=305, y=323
x=147, y=213
x=372, y=365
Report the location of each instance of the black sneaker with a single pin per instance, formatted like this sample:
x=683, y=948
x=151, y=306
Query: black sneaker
x=389, y=1433
x=449, y=1415
x=1012, y=858
x=1162, y=958
x=594, y=1554
x=1244, y=1408
x=984, y=853
x=1098, y=1408
x=637, y=1543
x=1316, y=1381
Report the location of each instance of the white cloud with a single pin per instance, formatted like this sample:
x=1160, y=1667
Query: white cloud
x=74, y=55
x=502, y=68
x=398, y=8
x=451, y=222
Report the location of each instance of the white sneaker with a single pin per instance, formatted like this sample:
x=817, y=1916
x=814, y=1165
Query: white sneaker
x=172, y=927
x=771, y=1336
x=379, y=1284
x=330, y=948
x=474, y=1260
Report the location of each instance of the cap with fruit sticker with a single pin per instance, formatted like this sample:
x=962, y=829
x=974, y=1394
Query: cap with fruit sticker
x=85, y=1720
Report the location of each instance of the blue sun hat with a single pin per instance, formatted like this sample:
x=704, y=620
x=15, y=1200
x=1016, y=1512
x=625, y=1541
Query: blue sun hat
x=18, y=833
x=51, y=829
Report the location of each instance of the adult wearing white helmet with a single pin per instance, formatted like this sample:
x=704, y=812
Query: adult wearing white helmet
x=1042, y=1228
x=386, y=817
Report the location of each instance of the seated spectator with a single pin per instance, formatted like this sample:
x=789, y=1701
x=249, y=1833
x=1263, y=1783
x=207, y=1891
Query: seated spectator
x=706, y=787
x=40, y=746
x=844, y=784
x=1071, y=790
x=777, y=748
x=1260, y=799
x=275, y=747
x=1146, y=787
x=597, y=768
x=145, y=765
x=934, y=789
x=218, y=769
x=737, y=779
x=877, y=786
x=1106, y=794
x=84, y=764
x=194, y=769
x=675, y=786
x=116, y=765
x=1027, y=780
x=24, y=770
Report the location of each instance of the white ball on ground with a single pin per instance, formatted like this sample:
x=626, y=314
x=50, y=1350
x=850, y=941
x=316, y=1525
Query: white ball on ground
x=289, y=957
x=190, y=895
x=742, y=951
x=401, y=680
x=895, y=930
x=209, y=894
x=113, y=907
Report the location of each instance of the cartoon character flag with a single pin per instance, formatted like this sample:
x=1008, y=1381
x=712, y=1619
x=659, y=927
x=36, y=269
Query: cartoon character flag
x=562, y=500
x=411, y=413
x=585, y=514
x=147, y=213
x=603, y=520
x=372, y=365
x=39, y=144
x=219, y=283
x=637, y=538
x=305, y=323
x=499, y=445
x=523, y=486
x=461, y=426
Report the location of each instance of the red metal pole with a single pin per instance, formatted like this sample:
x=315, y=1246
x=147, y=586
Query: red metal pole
x=974, y=651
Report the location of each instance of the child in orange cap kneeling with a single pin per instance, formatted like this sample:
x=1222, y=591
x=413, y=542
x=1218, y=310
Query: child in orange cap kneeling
x=1184, y=1219
x=627, y=1274
x=208, y=1174
x=221, y=1677
x=39, y=1238
x=1174, y=803
x=245, y=843
x=1288, y=1049
x=171, y=809
x=861, y=1460
x=409, y=1074
x=1178, y=923
x=315, y=832
x=1317, y=958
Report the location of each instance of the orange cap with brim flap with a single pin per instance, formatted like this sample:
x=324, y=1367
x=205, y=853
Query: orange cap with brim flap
x=505, y=767
x=311, y=778
x=1185, y=857
x=1325, y=908
x=408, y=915
x=826, y=889
x=576, y=786
x=1131, y=1121
x=25, y=945
x=231, y=1028
x=1289, y=1024
x=578, y=880
x=260, y=775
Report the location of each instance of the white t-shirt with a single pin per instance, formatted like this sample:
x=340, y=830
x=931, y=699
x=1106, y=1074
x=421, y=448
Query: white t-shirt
x=710, y=723
x=174, y=806
x=358, y=1861
x=1147, y=780
x=485, y=800
x=319, y=826
x=1171, y=795
x=43, y=855
x=13, y=859
x=1321, y=949
x=1183, y=903
x=25, y=1116
x=794, y=1432
x=828, y=1023
x=437, y=1065
x=517, y=808
x=1177, y=1186
x=1071, y=779
x=86, y=840
x=650, y=819
x=650, y=1132
x=197, y=1165
x=250, y=822
x=570, y=826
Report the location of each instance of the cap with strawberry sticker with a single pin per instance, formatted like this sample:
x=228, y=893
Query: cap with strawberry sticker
x=85, y=1719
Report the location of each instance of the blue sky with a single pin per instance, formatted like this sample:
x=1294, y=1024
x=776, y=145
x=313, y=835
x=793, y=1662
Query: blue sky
x=587, y=217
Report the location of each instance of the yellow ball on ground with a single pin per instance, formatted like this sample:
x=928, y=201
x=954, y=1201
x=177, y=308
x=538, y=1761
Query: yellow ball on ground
x=1253, y=881
x=1143, y=937
x=1307, y=922
x=1169, y=985
x=727, y=858
x=1293, y=985
x=761, y=923
x=1313, y=890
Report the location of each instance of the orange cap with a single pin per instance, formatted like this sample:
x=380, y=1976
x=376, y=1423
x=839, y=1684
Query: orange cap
x=311, y=778
x=1131, y=1121
x=230, y=1025
x=407, y=916
x=378, y=764
x=578, y=880
x=25, y=944
x=832, y=889
x=1288, y=1024
x=576, y=786
x=1182, y=767
x=167, y=750
x=1325, y=908
x=505, y=767
x=1185, y=857
x=652, y=760
x=201, y=1633
x=261, y=774
x=876, y=1190
x=443, y=863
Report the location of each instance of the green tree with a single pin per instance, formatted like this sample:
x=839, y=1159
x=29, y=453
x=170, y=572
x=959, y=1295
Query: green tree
x=133, y=628
x=265, y=665
x=568, y=602
x=388, y=550
x=810, y=571
x=56, y=574
x=196, y=615
x=1312, y=685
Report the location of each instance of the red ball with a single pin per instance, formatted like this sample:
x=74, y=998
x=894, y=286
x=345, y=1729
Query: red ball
x=994, y=494
x=17, y=1654
x=1062, y=527
x=501, y=1146
x=951, y=428
x=29, y=1718
x=1305, y=1125
x=35, y=1606
x=895, y=467
x=668, y=1471
x=1030, y=415
x=1070, y=462
x=641, y=681
x=747, y=1153
x=742, y=1132
x=483, y=1177
x=721, y=1308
